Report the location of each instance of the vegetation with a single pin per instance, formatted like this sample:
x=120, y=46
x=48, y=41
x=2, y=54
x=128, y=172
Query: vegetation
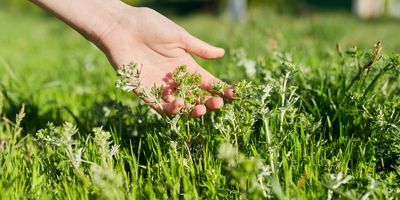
x=315, y=117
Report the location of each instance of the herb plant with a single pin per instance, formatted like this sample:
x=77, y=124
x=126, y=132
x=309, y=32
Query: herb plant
x=311, y=120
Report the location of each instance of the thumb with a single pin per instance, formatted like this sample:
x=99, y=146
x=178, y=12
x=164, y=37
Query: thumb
x=202, y=49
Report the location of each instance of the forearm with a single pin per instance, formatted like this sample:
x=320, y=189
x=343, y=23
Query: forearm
x=91, y=18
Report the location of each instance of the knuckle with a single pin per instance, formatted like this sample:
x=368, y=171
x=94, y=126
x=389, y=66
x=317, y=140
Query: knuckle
x=203, y=53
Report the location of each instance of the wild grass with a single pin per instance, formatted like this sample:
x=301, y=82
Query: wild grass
x=312, y=120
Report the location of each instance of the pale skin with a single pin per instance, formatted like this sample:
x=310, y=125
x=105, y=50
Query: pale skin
x=131, y=34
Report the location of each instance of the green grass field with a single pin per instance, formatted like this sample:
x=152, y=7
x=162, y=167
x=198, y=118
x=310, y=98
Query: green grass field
x=313, y=121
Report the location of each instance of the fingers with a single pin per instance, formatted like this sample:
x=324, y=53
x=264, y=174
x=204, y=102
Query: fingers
x=174, y=107
x=200, y=48
x=211, y=103
x=176, y=104
x=169, y=98
x=198, y=111
x=171, y=105
x=214, y=103
x=230, y=93
x=171, y=108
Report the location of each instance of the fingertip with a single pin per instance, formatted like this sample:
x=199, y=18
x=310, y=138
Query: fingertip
x=219, y=52
x=222, y=51
x=230, y=93
x=198, y=111
x=169, y=98
x=174, y=107
x=179, y=103
x=214, y=103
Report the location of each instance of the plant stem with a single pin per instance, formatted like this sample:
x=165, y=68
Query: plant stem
x=187, y=142
x=283, y=97
x=188, y=129
x=270, y=150
x=188, y=150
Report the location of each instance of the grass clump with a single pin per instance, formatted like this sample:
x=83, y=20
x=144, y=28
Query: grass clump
x=315, y=122
x=337, y=140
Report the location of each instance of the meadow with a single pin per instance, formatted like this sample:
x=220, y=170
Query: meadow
x=317, y=114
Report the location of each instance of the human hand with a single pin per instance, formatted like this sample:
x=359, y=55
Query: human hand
x=145, y=37
x=141, y=35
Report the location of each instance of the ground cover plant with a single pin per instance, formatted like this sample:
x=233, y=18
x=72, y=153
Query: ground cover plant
x=315, y=116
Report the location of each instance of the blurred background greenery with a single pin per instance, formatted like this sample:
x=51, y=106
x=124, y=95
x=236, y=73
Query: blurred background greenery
x=191, y=5
x=373, y=8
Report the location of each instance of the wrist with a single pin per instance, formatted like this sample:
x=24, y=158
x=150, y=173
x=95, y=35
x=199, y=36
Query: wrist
x=106, y=18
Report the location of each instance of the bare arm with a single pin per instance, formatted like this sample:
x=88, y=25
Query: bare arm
x=88, y=17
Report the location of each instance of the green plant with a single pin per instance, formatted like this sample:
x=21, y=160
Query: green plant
x=310, y=122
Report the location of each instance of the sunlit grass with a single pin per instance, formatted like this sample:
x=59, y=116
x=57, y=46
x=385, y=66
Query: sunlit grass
x=311, y=121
